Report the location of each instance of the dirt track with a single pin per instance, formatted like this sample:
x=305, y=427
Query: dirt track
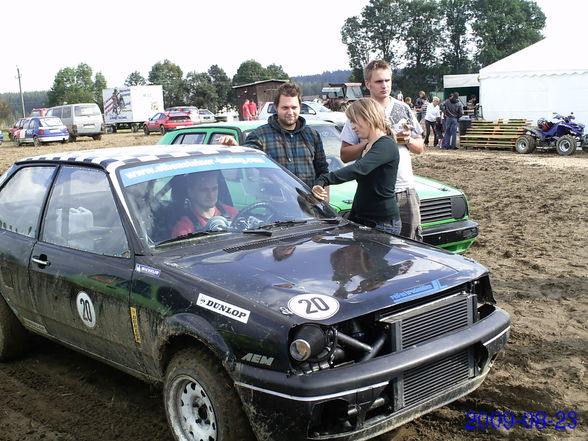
x=532, y=210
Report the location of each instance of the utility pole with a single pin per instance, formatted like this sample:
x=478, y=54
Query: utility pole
x=21, y=95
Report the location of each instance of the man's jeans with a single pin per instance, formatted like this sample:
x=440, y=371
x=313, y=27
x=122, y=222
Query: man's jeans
x=450, y=136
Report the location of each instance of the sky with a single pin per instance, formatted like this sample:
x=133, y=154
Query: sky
x=117, y=37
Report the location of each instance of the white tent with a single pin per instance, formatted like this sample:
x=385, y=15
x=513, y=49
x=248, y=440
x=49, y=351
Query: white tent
x=548, y=76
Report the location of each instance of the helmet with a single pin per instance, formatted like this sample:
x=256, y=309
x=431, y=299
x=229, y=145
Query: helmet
x=543, y=124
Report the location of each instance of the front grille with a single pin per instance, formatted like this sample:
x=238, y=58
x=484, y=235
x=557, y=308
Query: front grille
x=431, y=320
x=424, y=382
x=436, y=322
x=433, y=210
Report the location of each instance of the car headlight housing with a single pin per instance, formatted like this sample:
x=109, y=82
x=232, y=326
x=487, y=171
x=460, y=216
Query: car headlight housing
x=311, y=342
x=459, y=207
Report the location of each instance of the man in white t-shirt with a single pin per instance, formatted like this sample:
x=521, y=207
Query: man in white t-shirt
x=378, y=80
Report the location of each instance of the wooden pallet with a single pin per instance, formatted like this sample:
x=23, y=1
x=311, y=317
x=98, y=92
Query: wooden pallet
x=493, y=134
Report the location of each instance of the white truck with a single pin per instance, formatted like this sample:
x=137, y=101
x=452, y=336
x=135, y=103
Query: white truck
x=130, y=107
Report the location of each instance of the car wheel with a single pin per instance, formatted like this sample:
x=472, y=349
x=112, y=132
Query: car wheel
x=566, y=145
x=162, y=130
x=525, y=144
x=72, y=138
x=17, y=141
x=13, y=337
x=133, y=128
x=36, y=141
x=96, y=137
x=146, y=130
x=200, y=400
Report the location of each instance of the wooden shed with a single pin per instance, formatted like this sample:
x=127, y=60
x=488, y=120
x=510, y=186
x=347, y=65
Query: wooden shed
x=260, y=92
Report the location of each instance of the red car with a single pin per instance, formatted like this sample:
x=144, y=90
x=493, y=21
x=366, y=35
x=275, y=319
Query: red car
x=15, y=129
x=163, y=122
x=39, y=112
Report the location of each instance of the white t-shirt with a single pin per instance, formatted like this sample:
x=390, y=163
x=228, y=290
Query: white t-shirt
x=433, y=112
x=396, y=110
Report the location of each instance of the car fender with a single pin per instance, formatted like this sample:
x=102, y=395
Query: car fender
x=180, y=326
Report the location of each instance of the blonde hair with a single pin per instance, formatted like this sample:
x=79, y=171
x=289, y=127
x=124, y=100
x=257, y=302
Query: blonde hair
x=372, y=112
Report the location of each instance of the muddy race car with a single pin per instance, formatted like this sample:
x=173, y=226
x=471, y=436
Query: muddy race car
x=264, y=316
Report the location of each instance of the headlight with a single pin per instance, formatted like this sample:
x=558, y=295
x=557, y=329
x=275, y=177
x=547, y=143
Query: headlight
x=308, y=342
x=459, y=207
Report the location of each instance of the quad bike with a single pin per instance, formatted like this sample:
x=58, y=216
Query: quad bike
x=564, y=135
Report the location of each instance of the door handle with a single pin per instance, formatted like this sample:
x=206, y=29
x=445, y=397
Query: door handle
x=39, y=261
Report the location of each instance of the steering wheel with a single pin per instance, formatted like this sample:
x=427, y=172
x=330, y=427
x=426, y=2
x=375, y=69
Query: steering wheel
x=245, y=213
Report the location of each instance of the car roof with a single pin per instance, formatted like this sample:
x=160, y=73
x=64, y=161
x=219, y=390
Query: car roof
x=251, y=125
x=116, y=157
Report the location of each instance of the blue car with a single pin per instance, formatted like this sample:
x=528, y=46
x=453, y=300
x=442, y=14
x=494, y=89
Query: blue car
x=1, y=138
x=42, y=129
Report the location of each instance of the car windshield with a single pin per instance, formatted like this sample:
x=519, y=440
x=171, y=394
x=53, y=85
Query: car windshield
x=232, y=193
x=51, y=122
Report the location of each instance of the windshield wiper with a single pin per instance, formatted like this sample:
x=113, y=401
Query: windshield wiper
x=258, y=231
x=288, y=223
x=193, y=235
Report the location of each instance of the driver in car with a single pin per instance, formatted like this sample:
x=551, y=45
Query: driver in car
x=202, y=204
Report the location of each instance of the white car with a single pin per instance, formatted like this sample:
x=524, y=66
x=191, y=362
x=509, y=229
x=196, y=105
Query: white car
x=206, y=116
x=193, y=111
x=308, y=110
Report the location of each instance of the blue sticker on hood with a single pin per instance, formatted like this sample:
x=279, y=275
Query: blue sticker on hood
x=420, y=291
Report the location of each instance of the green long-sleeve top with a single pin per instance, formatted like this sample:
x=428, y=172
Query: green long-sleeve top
x=375, y=198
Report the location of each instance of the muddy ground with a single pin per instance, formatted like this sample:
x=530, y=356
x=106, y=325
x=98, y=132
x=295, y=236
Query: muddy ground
x=532, y=211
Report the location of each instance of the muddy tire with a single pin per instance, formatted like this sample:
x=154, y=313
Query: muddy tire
x=14, y=339
x=146, y=130
x=36, y=141
x=200, y=400
x=566, y=145
x=162, y=130
x=96, y=137
x=525, y=144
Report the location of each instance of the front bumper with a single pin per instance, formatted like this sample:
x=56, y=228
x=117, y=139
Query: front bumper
x=454, y=236
x=360, y=401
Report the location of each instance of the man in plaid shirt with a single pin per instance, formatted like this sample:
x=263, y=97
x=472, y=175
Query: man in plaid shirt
x=287, y=138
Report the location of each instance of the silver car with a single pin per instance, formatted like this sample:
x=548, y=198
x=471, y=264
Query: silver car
x=308, y=110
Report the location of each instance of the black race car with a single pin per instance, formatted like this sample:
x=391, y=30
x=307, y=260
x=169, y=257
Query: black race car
x=216, y=273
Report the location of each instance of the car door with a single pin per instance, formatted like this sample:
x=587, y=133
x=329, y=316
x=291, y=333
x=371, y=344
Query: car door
x=78, y=264
x=152, y=123
x=21, y=202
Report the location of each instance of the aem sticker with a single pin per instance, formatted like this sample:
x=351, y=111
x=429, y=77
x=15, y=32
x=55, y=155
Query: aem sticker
x=86, y=309
x=314, y=306
x=223, y=308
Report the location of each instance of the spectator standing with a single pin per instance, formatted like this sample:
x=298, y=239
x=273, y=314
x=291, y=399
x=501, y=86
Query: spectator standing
x=253, y=109
x=432, y=116
x=400, y=96
x=287, y=138
x=246, y=111
x=453, y=110
x=419, y=105
x=378, y=80
x=374, y=203
x=408, y=101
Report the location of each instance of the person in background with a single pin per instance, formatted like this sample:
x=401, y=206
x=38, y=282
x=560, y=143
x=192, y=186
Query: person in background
x=408, y=101
x=418, y=104
x=432, y=115
x=287, y=138
x=374, y=203
x=253, y=109
x=452, y=109
x=246, y=111
x=378, y=80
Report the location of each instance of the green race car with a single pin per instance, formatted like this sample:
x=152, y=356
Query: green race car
x=444, y=209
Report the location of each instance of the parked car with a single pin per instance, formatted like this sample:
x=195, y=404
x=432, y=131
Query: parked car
x=39, y=112
x=82, y=119
x=444, y=210
x=15, y=129
x=206, y=116
x=42, y=129
x=164, y=122
x=193, y=111
x=308, y=110
x=1, y=137
x=283, y=316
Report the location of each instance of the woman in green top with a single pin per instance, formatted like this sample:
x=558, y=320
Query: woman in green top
x=374, y=203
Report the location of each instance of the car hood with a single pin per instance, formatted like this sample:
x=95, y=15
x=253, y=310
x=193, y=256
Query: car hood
x=364, y=270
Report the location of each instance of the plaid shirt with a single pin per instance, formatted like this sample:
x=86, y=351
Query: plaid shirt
x=299, y=150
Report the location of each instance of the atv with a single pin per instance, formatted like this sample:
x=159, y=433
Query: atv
x=564, y=135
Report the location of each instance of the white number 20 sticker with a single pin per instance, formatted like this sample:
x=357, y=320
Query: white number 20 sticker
x=314, y=306
x=86, y=309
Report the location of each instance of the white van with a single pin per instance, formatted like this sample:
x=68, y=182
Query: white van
x=83, y=119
